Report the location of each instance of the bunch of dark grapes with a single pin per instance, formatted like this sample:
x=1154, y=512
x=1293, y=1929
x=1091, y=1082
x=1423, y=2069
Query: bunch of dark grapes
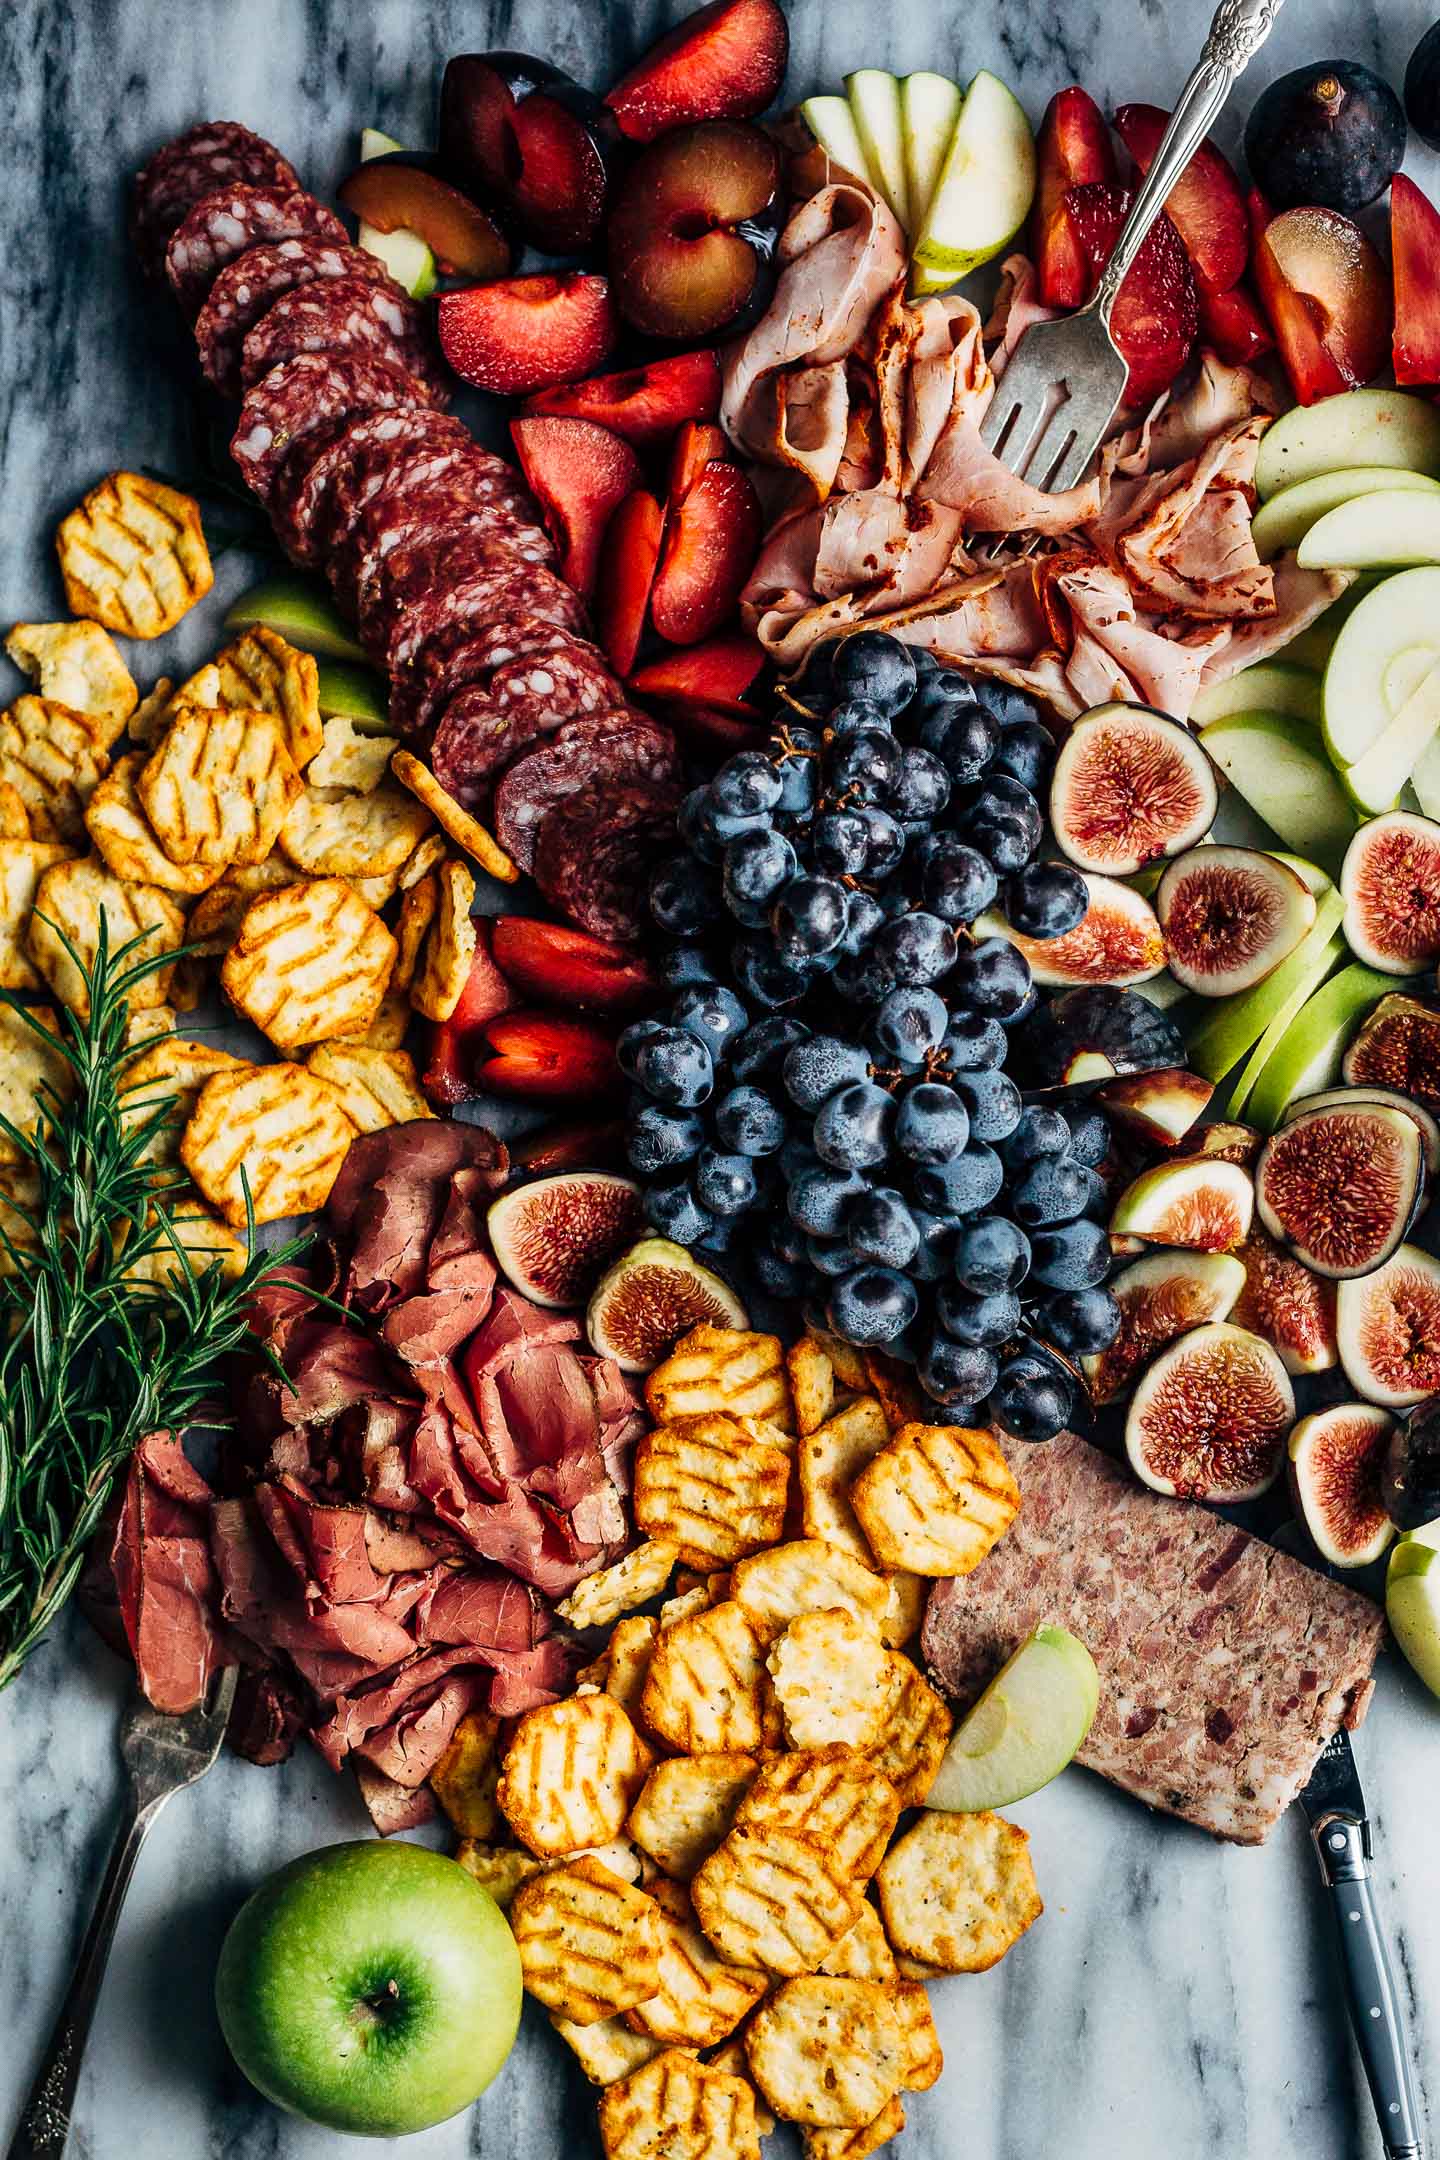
x=825, y=1099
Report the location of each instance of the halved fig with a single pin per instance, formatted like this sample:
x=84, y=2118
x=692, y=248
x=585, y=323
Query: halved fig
x=1230, y=916
x=1340, y=1187
x=1161, y=1297
x=1208, y=1420
x=1388, y=1328
x=1094, y=1034
x=1227, y=1141
x=1411, y=1477
x=654, y=1294
x=1390, y=881
x=1159, y=1107
x=1337, y=1462
x=1200, y=1204
x=1117, y=940
x=1387, y=1098
x=1288, y=1304
x=1129, y=785
x=1398, y=1047
x=554, y=1237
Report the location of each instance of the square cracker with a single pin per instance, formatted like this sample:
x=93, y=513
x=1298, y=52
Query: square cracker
x=133, y=555
x=309, y=963
x=273, y=1128
x=219, y=784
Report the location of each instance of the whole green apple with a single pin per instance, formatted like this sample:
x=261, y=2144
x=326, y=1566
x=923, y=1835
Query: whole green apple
x=374, y=1988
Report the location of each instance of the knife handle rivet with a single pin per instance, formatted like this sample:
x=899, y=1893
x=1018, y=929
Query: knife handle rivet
x=1337, y=1841
x=1352, y=1916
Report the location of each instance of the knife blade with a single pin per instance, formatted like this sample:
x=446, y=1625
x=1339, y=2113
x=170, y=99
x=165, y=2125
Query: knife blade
x=1334, y=1805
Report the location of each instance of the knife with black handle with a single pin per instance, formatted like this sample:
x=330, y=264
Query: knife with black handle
x=1340, y=1829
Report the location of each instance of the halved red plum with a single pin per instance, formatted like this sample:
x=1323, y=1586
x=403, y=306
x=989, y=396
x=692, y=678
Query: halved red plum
x=1232, y=325
x=395, y=193
x=518, y=334
x=522, y=135
x=1328, y=297
x=625, y=576
x=1209, y=1419
x=1206, y=205
x=712, y=536
x=1156, y=313
x=1415, y=259
x=720, y=672
x=687, y=236
x=546, y=1057
x=581, y=474
x=1340, y=1187
x=588, y=1144
x=449, y=1075
x=644, y=404
x=1073, y=149
x=725, y=62
x=1130, y=785
x=565, y=966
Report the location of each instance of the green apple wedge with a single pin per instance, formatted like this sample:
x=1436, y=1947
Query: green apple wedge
x=832, y=123
x=1284, y=521
x=985, y=187
x=1240, y=1089
x=1276, y=686
x=1029, y=1723
x=301, y=610
x=1387, y=644
x=405, y=255
x=1225, y=1029
x=929, y=108
x=1375, y=780
x=1308, y=1056
x=353, y=693
x=1388, y=530
x=874, y=97
x=1278, y=767
x=1353, y=428
x=1312, y=648
x=1412, y=1603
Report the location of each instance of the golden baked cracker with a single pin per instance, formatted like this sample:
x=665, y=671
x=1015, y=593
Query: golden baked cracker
x=774, y=1898
x=309, y=962
x=832, y=1795
x=426, y=857
x=699, y=1999
x=332, y=833
x=607, y=2050
x=914, y=1736
x=464, y=1779
x=686, y=1806
x=812, y=1383
x=619, y=1855
x=895, y=1387
x=732, y=2059
x=628, y=1662
x=589, y=1942
x=201, y=688
x=347, y=758
x=502, y=1870
x=677, y=2108
x=640, y=1576
x=467, y=832
x=703, y=1691
x=714, y=1486
x=218, y=785
x=826, y=2051
x=716, y=1368
x=195, y=1240
x=806, y=1575
x=570, y=1775
x=390, y=1026
x=259, y=672
x=133, y=555
x=855, y=2141
x=418, y=910
x=863, y=1954
x=829, y=1459
x=924, y=2057
x=161, y=1086
x=904, y=1606
x=33, y=1074
x=685, y=1604
x=14, y=817
x=120, y=831
x=151, y=716
x=377, y=1087
x=214, y=921
x=848, y=1363
x=78, y=664
x=958, y=1890
x=936, y=1499
x=22, y=865
x=143, y=1027
x=273, y=1127
x=438, y=983
x=53, y=757
x=71, y=899
x=833, y=1680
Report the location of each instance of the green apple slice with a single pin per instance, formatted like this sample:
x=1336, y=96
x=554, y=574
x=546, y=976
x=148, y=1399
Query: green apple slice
x=354, y=693
x=832, y=123
x=1412, y=1605
x=1284, y=521
x=1312, y=648
x=875, y=101
x=929, y=108
x=1275, y=686
x=1388, y=530
x=405, y=255
x=1387, y=644
x=986, y=184
x=1229, y=1027
x=1374, y=781
x=1332, y=957
x=1030, y=1722
x=1353, y=428
x=1278, y=767
x=1308, y=1056
x=301, y=610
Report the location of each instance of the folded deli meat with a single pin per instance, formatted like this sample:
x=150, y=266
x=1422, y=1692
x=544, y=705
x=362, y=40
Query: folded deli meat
x=421, y=1463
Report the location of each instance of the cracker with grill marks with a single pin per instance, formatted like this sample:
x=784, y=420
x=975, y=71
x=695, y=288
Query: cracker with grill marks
x=133, y=555
x=607, y=2050
x=713, y=1486
x=467, y=832
x=618, y=1589
x=589, y=1942
x=377, y=1087
x=676, y=2108
x=705, y=1692
x=32, y=1072
x=958, y=1891
x=774, y=1898
x=54, y=758
x=833, y=1680
x=161, y=1086
x=260, y=672
x=349, y=758
x=914, y=1735
x=331, y=832
x=699, y=1999
x=687, y=1805
x=273, y=1127
x=22, y=865
x=827, y=1462
x=803, y=1576
x=309, y=963
x=121, y=832
x=936, y=1499
x=827, y=2051
x=219, y=785
x=571, y=1775
x=835, y=1796
x=78, y=664
x=856, y=2141
x=71, y=899
x=445, y=957
x=627, y=1661
x=729, y=1369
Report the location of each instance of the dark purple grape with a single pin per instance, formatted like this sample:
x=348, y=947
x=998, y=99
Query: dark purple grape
x=961, y=1187
x=1054, y=1189
x=682, y=895
x=865, y=765
x=1046, y=899
x=763, y=975
x=819, y=1200
x=923, y=788
x=853, y=714
x=679, y=965
x=881, y=1227
x=885, y=841
x=746, y=786
x=1072, y=1256
x=983, y=1322
x=659, y=1139
x=972, y=1042
x=931, y=1125
x=1089, y=1135
x=1041, y=1131
x=711, y=1012
x=809, y=916
x=909, y=1023
x=671, y=1208
x=956, y=1373
x=956, y=881
x=748, y=1122
x=1081, y=1323
x=872, y=1306
x=992, y=1255
x=814, y=1068
x=877, y=667
x=935, y=1254
x=798, y=764
x=991, y=977
x=962, y=734
x=1026, y=753
x=993, y=1101
x=852, y=1127
x=1032, y=1399
x=756, y=866
x=760, y=1051
x=916, y=948
x=675, y=1067
x=842, y=841
x=830, y=1256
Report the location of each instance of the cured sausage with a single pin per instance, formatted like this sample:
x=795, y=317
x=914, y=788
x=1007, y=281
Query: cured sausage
x=424, y=500
x=249, y=287
x=595, y=851
x=443, y=554
x=312, y=391
x=313, y=502
x=216, y=154
x=460, y=657
x=225, y=223
x=347, y=314
x=610, y=750
x=486, y=595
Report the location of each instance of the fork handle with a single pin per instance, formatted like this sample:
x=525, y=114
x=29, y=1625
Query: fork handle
x=1238, y=31
x=45, y=2120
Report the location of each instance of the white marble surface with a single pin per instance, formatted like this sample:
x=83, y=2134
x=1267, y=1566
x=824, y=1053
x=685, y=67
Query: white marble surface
x=1178, y=1998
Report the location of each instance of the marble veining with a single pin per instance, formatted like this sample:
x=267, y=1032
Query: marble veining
x=1178, y=1998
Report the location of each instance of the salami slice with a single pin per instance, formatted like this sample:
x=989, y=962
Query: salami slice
x=570, y=681
x=247, y=288
x=460, y=657
x=312, y=391
x=610, y=748
x=315, y=494
x=430, y=494
x=488, y=726
x=441, y=559
x=216, y=154
x=348, y=314
x=486, y=596
x=223, y=224
x=595, y=852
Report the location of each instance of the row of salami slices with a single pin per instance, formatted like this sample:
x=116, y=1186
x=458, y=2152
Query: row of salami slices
x=433, y=546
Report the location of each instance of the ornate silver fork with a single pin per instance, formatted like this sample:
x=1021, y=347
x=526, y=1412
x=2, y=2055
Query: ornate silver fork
x=161, y=1755
x=1063, y=385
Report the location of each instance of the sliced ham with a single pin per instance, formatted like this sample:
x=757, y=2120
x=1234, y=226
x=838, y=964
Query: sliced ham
x=962, y=472
x=1190, y=552
x=1150, y=667
x=1301, y=598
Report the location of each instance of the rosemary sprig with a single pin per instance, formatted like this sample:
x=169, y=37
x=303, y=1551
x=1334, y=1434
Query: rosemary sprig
x=91, y=1359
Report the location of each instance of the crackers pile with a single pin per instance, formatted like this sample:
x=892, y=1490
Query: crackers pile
x=702, y=1850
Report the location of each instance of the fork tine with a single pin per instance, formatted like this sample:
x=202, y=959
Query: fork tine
x=1012, y=434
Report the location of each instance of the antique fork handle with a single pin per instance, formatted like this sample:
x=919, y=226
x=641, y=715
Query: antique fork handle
x=1238, y=31
x=45, y=2122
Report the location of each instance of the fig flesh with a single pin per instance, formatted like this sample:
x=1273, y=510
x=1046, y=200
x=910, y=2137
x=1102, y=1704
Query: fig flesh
x=1411, y=1476
x=1117, y=940
x=1390, y=883
x=1158, y=1107
x=555, y=1236
x=1337, y=1461
x=1387, y=1098
x=1398, y=1047
x=1200, y=1204
x=654, y=1294
x=1340, y=1187
x=1228, y=1141
x=1387, y=1326
x=1208, y=1420
x=1129, y=785
x=1286, y=1303
x=1092, y=1034
x=1161, y=1297
x=1230, y=916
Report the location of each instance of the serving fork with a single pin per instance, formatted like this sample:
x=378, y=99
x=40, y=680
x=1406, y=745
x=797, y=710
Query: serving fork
x=162, y=1755
x=1062, y=387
